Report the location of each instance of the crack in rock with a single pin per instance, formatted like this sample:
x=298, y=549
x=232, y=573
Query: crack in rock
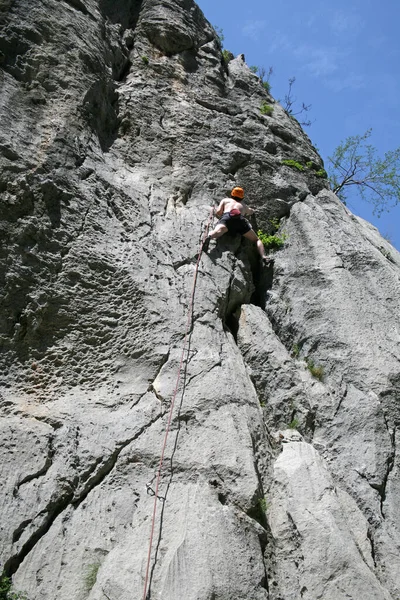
x=42, y=471
x=67, y=498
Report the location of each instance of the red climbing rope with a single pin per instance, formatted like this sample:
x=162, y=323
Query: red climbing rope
x=189, y=320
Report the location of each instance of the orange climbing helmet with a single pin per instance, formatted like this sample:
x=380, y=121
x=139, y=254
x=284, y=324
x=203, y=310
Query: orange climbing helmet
x=237, y=192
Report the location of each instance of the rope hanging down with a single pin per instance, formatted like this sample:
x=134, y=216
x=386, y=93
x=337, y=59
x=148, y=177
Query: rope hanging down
x=184, y=349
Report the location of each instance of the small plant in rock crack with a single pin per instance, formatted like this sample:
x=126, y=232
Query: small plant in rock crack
x=318, y=172
x=272, y=242
x=264, y=504
x=294, y=423
x=296, y=350
x=258, y=510
x=145, y=60
x=266, y=109
x=316, y=371
x=275, y=223
x=262, y=72
x=294, y=164
x=91, y=575
x=227, y=56
x=6, y=591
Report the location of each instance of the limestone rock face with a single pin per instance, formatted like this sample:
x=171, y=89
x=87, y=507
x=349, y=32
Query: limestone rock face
x=120, y=126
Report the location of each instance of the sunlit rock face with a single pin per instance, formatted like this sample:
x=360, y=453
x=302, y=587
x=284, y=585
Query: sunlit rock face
x=120, y=125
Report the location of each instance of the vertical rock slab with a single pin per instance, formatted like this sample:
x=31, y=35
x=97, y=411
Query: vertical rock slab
x=335, y=300
x=120, y=124
x=321, y=550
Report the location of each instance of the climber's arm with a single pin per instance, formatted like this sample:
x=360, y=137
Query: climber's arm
x=220, y=210
x=249, y=211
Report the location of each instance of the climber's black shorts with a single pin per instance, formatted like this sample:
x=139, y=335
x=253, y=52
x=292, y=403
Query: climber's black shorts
x=235, y=224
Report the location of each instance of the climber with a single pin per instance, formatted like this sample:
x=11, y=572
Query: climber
x=231, y=213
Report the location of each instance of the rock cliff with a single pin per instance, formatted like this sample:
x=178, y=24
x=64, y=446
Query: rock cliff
x=121, y=124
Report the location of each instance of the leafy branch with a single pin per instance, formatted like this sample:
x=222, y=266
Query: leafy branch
x=220, y=35
x=355, y=163
x=7, y=592
x=263, y=75
x=289, y=102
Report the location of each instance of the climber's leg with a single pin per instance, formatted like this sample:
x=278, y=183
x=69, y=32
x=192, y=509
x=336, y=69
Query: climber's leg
x=253, y=237
x=219, y=230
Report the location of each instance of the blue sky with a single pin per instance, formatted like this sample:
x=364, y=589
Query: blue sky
x=345, y=57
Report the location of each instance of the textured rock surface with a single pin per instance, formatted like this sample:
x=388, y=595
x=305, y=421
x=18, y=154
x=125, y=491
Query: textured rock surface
x=120, y=124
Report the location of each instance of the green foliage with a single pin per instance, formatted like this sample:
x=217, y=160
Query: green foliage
x=266, y=109
x=294, y=423
x=294, y=164
x=317, y=372
x=220, y=35
x=258, y=510
x=355, y=163
x=264, y=504
x=145, y=60
x=227, y=56
x=262, y=404
x=261, y=72
x=5, y=585
x=271, y=242
x=275, y=223
x=91, y=575
x=296, y=350
x=6, y=592
x=318, y=172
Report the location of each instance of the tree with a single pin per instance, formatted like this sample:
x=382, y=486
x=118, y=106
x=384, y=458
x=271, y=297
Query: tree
x=220, y=35
x=356, y=163
x=261, y=73
x=288, y=105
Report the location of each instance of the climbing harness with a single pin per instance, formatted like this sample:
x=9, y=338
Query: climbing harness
x=175, y=392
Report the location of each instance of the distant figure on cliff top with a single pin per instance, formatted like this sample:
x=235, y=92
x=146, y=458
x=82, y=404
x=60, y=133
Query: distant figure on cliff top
x=231, y=213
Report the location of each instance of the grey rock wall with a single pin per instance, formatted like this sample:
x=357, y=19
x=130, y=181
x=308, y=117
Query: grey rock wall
x=120, y=125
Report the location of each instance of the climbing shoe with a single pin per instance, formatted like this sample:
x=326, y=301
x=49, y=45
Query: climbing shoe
x=206, y=244
x=267, y=261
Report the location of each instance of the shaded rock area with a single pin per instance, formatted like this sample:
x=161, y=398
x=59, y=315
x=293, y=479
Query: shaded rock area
x=120, y=125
